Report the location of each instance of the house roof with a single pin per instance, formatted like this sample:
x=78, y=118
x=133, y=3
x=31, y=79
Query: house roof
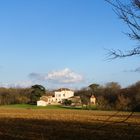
x=75, y=97
x=45, y=98
x=50, y=93
x=63, y=89
x=92, y=96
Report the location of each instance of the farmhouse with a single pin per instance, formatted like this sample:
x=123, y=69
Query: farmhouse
x=41, y=103
x=59, y=95
x=63, y=93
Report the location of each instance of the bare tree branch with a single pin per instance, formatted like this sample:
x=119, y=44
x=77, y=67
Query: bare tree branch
x=113, y=54
x=129, y=13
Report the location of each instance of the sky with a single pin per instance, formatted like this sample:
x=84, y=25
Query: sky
x=63, y=43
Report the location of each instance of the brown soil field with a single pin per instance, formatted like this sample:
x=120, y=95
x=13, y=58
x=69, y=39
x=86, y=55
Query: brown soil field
x=43, y=124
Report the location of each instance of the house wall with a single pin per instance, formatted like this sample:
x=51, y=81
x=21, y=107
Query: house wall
x=60, y=95
x=93, y=101
x=41, y=103
x=51, y=100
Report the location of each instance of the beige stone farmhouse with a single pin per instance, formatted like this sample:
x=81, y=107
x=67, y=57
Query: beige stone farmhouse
x=59, y=95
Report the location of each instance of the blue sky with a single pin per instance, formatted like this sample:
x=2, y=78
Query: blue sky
x=61, y=43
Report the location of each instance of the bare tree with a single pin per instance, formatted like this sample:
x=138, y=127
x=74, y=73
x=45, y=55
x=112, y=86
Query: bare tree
x=129, y=13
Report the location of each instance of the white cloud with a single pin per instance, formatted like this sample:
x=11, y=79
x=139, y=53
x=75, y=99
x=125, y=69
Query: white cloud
x=65, y=76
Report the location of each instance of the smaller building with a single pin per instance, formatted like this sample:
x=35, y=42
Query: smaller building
x=45, y=100
x=75, y=100
x=41, y=103
x=92, y=100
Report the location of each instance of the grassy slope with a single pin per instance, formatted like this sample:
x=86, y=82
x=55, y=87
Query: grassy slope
x=27, y=106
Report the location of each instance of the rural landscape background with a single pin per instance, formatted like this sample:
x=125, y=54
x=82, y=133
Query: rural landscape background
x=90, y=47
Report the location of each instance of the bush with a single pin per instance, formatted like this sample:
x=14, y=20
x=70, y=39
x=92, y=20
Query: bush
x=66, y=102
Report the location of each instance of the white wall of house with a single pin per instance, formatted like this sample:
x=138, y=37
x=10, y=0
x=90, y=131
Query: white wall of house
x=64, y=94
x=93, y=100
x=51, y=99
x=42, y=103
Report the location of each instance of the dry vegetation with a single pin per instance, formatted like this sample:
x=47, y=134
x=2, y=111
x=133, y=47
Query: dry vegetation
x=42, y=124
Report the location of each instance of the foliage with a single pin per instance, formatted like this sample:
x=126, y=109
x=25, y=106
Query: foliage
x=14, y=96
x=108, y=97
x=20, y=95
x=94, y=87
x=112, y=97
x=123, y=103
x=37, y=92
x=85, y=95
x=66, y=102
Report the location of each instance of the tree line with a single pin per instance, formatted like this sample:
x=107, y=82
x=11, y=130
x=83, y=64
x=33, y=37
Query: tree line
x=112, y=97
x=21, y=95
